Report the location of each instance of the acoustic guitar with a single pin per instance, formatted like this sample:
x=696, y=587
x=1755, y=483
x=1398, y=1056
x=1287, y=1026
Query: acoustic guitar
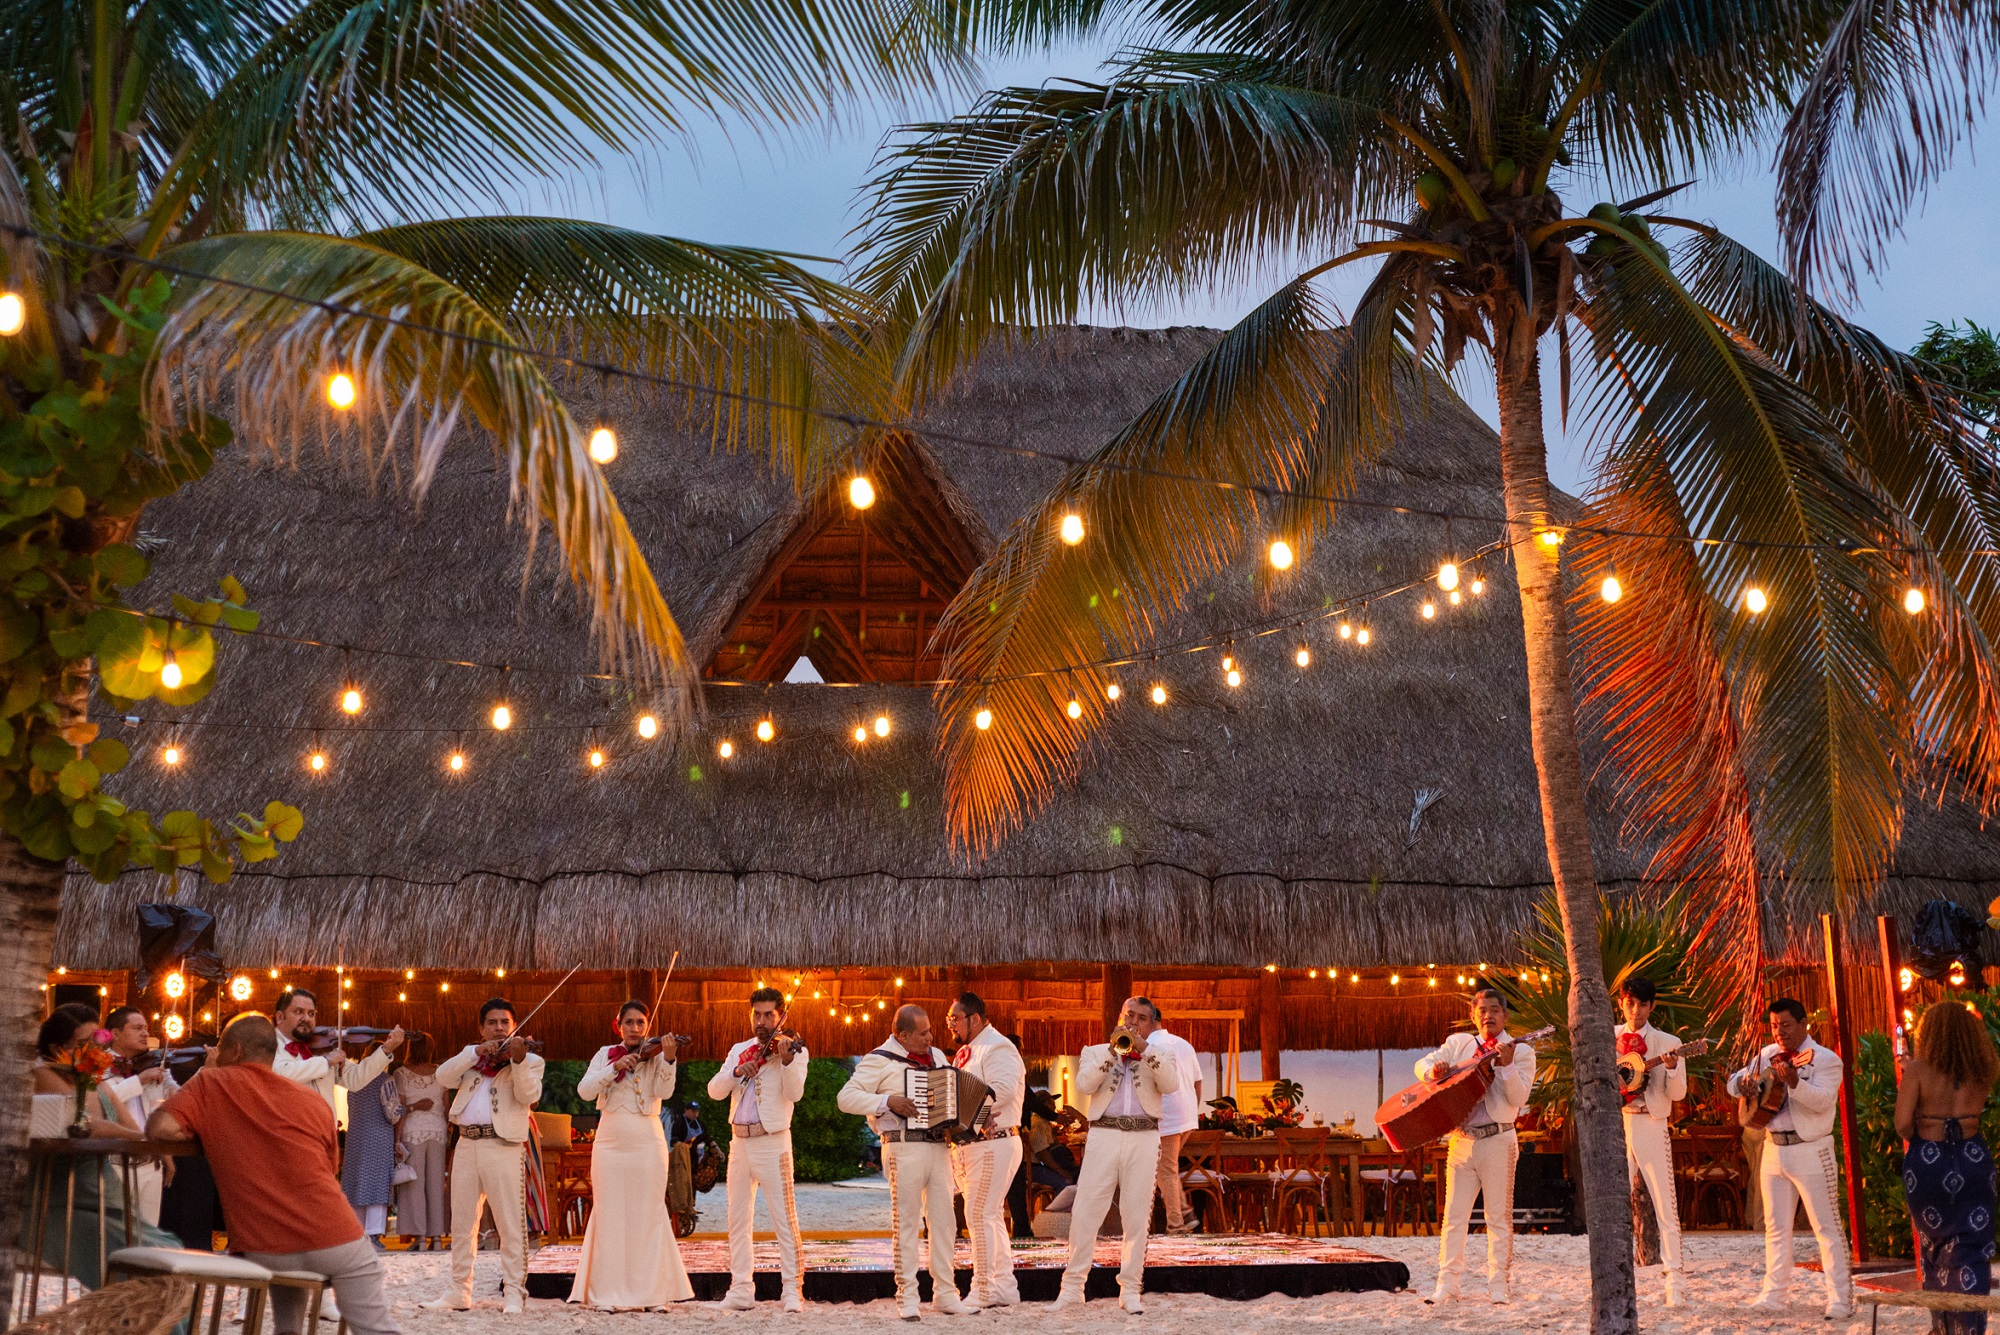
x=1431, y=1109
x=1762, y=1094
x=1633, y=1069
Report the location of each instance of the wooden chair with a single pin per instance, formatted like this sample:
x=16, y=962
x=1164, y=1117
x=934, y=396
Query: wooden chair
x=1300, y=1191
x=205, y=1271
x=316, y=1286
x=1406, y=1192
x=573, y=1205
x=1204, y=1179
x=151, y=1306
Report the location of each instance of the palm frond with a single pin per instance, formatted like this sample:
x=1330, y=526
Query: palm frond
x=415, y=382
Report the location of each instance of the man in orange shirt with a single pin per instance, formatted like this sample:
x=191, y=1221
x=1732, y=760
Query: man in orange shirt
x=272, y=1147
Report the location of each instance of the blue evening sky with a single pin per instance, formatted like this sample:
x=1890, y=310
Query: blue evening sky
x=799, y=191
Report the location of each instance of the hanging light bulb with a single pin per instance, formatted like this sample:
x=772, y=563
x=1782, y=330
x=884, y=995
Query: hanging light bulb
x=766, y=730
x=503, y=717
x=1072, y=529
x=170, y=673
x=1478, y=586
x=13, y=313
x=1551, y=537
x=1611, y=590
x=1913, y=600
x=983, y=719
x=316, y=761
x=170, y=756
x=1303, y=657
x=1754, y=600
x=1448, y=576
x=861, y=493
x=1159, y=695
x=1233, y=677
x=1430, y=609
x=1281, y=555
x=1112, y=692
x=596, y=758
x=882, y=725
x=176, y=985
x=1346, y=631
x=1074, y=709
x=861, y=733
x=239, y=988
x=1362, y=636
x=350, y=701
x=726, y=749
x=649, y=727
x=456, y=762
x=603, y=445
x=340, y=390
x=410, y=974
x=1454, y=596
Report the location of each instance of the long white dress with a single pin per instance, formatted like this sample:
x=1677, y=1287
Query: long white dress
x=630, y=1258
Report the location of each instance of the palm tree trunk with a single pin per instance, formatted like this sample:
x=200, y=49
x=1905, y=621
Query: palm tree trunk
x=1595, y=1111
x=30, y=891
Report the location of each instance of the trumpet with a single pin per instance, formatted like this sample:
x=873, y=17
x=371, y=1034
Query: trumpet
x=1122, y=1040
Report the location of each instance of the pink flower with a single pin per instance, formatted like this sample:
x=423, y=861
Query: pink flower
x=102, y=1038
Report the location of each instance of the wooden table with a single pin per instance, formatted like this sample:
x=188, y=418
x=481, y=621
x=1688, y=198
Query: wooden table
x=1352, y=1152
x=43, y=1155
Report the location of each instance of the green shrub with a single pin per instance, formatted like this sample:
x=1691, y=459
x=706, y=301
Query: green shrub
x=559, y=1088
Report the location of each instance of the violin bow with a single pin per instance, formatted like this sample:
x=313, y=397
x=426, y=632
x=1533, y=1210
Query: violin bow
x=545, y=1000
x=661, y=995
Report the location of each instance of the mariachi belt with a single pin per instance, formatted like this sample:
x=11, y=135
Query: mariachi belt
x=1127, y=1123
x=935, y=1135
x=750, y=1129
x=1791, y=1138
x=1484, y=1131
x=482, y=1131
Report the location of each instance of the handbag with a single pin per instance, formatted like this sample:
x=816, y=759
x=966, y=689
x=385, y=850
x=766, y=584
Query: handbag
x=405, y=1173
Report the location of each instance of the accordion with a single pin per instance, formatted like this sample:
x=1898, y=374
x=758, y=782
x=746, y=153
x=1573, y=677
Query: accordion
x=948, y=1099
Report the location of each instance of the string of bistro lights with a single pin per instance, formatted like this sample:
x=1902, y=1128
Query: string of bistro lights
x=342, y=394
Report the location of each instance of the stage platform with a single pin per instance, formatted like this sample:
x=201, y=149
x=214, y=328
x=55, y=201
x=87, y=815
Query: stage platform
x=1238, y=1266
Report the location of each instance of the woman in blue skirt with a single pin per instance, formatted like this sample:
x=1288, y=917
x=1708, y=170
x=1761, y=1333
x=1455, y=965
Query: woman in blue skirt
x=1947, y=1169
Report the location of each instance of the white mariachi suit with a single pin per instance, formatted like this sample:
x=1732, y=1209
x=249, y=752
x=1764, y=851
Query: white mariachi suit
x=494, y=1116
x=1798, y=1165
x=986, y=1167
x=1117, y=1159
x=141, y=1098
x=1479, y=1163
x=760, y=1156
x=1649, y=1150
x=918, y=1166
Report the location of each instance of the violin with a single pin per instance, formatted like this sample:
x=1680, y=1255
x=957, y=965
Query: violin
x=489, y=1051
x=169, y=1057
x=652, y=1046
x=327, y=1037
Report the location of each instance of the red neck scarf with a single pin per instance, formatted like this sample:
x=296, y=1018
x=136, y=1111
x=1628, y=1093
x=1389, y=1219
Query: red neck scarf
x=923, y=1063
x=302, y=1051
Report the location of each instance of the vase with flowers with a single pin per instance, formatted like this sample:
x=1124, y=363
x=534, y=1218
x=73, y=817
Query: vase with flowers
x=89, y=1063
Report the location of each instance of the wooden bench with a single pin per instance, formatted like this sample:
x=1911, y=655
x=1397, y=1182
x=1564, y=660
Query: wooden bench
x=1926, y=1299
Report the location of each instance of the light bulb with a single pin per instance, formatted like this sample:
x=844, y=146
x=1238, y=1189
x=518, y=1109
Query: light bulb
x=649, y=726
x=882, y=725
x=402, y=996
x=1234, y=678
x=176, y=985
x=503, y=717
x=317, y=760
x=350, y=701
x=174, y=1028
x=1228, y=662
x=861, y=493
x=170, y=673
x=1281, y=555
x=983, y=719
x=766, y=730
x=410, y=973
x=171, y=756
x=1303, y=657
x=1112, y=692
x=1551, y=537
x=1611, y=590
x=1074, y=709
x=596, y=759
x=444, y=987
x=861, y=734
x=1346, y=631
x=1361, y=636
x=1448, y=576
x=1754, y=599
x=1072, y=529
x=239, y=988
x=1455, y=599
x=603, y=445
x=726, y=750
x=1913, y=601
x=457, y=761
x=1159, y=695
x=13, y=313
x=340, y=390
x=1430, y=609
x=1478, y=587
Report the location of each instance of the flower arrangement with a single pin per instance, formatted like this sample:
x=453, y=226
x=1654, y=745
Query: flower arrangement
x=89, y=1062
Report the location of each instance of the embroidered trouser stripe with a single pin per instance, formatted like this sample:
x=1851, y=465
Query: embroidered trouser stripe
x=987, y=1169
x=762, y=1163
x=919, y=1174
x=1484, y=1170
x=1649, y=1155
x=1788, y=1175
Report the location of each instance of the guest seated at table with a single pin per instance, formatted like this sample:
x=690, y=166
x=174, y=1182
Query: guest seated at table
x=1050, y=1162
x=1948, y=1169
x=65, y=1048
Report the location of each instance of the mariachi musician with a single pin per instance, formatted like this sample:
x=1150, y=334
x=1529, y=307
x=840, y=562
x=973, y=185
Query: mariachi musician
x=917, y=1161
x=1649, y=1146
x=987, y=1160
x=1798, y=1163
x=762, y=1077
x=1482, y=1153
x=297, y=1018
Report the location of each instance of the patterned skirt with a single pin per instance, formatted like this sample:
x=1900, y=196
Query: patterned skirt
x=1949, y=1184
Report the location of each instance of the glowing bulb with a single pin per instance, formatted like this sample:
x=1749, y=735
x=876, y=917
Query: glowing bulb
x=766, y=730
x=1913, y=601
x=603, y=445
x=1072, y=529
x=503, y=717
x=239, y=988
x=444, y=987
x=649, y=727
x=1478, y=587
x=274, y=973
x=347, y=982
x=1551, y=537
x=1354, y=978
x=1281, y=555
x=1227, y=662
x=726, y=750
x=402, y=996
x=1361, y=636
x=881, y=725
x=1395, y=978
x=596, y=759
x=1234, y=678
x=1303, y=657
x=1905, y=980
x=174, y=1028
x=176, y=985
x=1434, y=982
x=1346, y=631
x=410, y=973
x=1455, y=599
x=983, y=719
x=899, y=982
x=1112, y=692
x=1074, y=709
x=1611, y=590
x=1447, y=576
x=861, y=734
x=340, y=391
x=457, y=762
x=1430, y=609
x=1754, y=599
x=350, y=701
x=170, y=673
x=1159, y=695
x=171, y=756
x=317, y=760
x=499, y=973
x=13, y=313
x=861, y=493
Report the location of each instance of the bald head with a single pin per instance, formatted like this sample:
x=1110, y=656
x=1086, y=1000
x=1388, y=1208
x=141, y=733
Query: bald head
x=913, y=1029
x=249, y=1038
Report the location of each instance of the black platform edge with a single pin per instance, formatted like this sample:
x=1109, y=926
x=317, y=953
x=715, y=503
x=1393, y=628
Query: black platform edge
x=1239, y=1283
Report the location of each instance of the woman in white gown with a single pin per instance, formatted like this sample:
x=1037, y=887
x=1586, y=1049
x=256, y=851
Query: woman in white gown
x=630, y=1259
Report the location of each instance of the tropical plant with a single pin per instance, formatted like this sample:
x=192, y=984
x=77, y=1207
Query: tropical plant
x=210, y=210
x=1771, y=482
x=1968, y=359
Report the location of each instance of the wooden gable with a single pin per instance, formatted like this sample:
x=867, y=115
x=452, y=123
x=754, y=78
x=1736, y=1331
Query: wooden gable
x=858, y=592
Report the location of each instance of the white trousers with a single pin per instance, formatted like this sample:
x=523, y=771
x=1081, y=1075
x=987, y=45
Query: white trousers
x=148, y=1181
x=919, y=1174
x=762, y=1162
x=1113, y=1161
x=1474, y=1169
x=1649, y=1155
x=986, y=1169
x=1787, y=1175
x=489, y=1172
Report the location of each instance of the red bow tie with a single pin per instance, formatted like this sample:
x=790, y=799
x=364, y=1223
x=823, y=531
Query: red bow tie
x=300, y=1050
x=962, y=1056
x=922, y=1063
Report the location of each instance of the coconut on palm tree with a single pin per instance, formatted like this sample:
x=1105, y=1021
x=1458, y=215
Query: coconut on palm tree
x=1774, y=486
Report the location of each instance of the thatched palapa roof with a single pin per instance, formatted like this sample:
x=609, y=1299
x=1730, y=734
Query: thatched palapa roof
x=1232, y=828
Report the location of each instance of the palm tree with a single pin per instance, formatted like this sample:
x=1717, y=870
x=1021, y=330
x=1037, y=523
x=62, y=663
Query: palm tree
x=1750, y=439
x=232, y=188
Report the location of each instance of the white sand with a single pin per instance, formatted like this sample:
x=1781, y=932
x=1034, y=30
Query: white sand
x=1551, y=1293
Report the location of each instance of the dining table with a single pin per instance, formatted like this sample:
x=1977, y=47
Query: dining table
x=1350, y=1155
x=43, y=1156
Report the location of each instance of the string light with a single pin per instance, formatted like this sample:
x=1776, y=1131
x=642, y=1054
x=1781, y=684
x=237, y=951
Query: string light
x=1074, y=709
x=13, y=313
x=1455, y=599
x=1611, y=590
x=726, y=749
x=239, y=988
x=603, y=445
x=340, y=390
x=1913, y=601
x=1362, y=636
x=402, y=996
x=1112, y=692
x=316, y=761
x=174, y=1028
x=766, y=730
x=861, y=493
x=274, y=973
x=503, y=718
x=176, y=985
x=881, y=725
x=860, y=733
x=1281, y=555
x=444, y=986
x=350, y=701
x=1072, y=529
x=649, y=727
x=1346, y=631
x=456, y=761
x=1159, y=694
x=1478, y=586
x=596, y=758
x=1303, y=657
x=410, y=974
x=170, y=673
x=1551, y=537
x=1234, y=678
x=1754, y=600
x=1430, y=609
x=170, y=756
x=1448, y=576
x=983, y=719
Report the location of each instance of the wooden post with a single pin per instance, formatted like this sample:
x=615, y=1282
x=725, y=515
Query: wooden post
x=1850, y=1138
x=1117, y=987
x=1892, y=991
x=1270, y=1024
